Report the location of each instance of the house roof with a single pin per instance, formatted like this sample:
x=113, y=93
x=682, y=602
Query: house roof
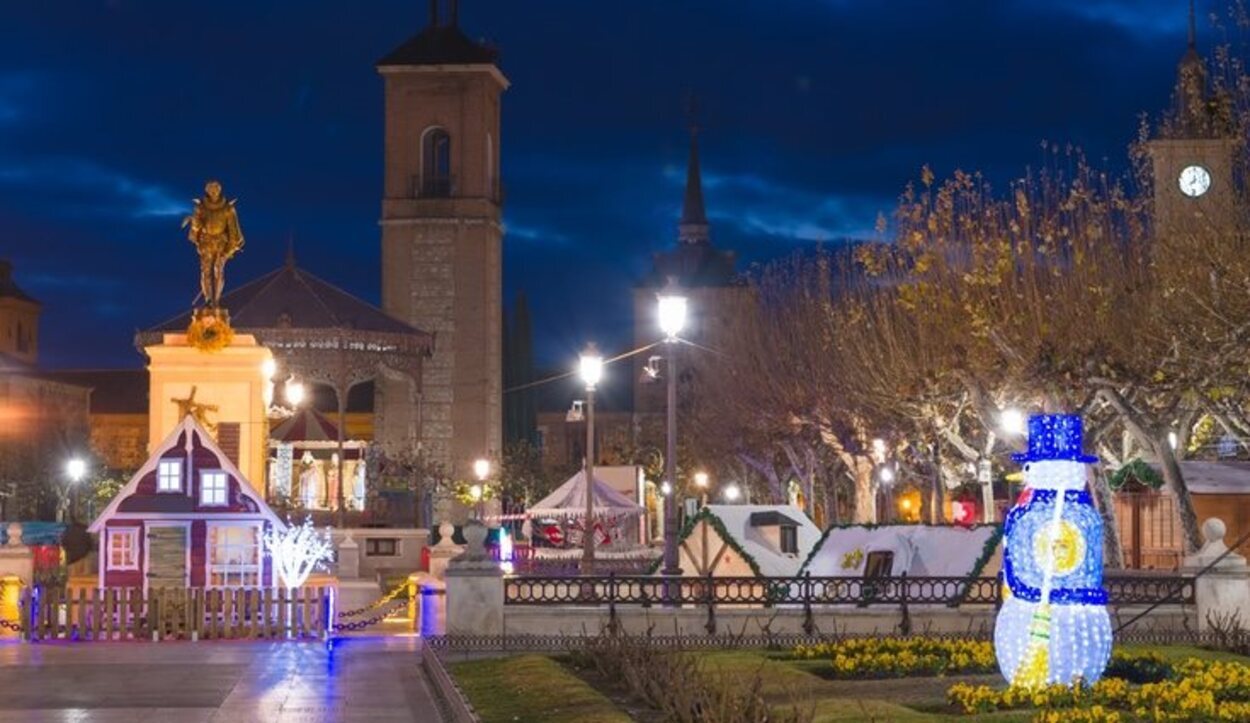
x=1215, y=478
x=292, y=298
x=113, y=391
x=192, y=429
x=769, y=561
x=919, y=550
x=441, y=45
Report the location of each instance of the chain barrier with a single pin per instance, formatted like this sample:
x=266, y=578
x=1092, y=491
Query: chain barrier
x=376, y=604
x=15, y=627
x=367, y=622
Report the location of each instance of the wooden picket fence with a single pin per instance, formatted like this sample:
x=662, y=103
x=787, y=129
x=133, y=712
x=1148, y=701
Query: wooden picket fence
x=175, y=613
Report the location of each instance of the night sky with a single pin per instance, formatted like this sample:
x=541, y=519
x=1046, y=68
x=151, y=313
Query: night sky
x=815, y=115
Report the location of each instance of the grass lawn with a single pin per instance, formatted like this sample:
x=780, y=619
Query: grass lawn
x=532, y=689
x=538, y=688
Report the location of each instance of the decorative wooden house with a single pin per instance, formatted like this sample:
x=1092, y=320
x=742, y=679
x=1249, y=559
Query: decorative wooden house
x=746, y=541
x=187, y=518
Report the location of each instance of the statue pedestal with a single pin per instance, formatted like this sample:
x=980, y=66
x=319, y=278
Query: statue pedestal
x=230, y=379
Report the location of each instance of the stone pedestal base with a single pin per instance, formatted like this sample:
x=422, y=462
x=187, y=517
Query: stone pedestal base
x=230, y=379
x=1223, y=592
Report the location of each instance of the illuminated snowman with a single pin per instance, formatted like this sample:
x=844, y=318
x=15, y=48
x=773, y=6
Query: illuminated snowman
x=1053, y=626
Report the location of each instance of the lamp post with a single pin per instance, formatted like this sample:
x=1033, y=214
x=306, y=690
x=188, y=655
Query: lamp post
x=672, y=316
x=700, y=481
x=481, y=470
x=590, y=367
x=75, y=470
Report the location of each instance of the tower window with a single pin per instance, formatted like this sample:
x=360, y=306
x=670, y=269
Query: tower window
x=436, y=178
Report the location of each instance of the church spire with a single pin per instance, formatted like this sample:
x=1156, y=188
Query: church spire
x=1193, y=35
x=693, y=227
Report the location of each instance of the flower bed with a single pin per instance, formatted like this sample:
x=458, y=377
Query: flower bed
x=900, y=657
x=1196, y=691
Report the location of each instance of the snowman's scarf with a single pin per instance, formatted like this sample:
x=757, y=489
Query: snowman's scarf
x=1035, y=667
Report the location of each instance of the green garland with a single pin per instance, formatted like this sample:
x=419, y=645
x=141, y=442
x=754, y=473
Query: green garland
x=1138, y=470
x=718, y=525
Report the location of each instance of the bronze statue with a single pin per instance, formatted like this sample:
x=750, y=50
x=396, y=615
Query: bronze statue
x=216, y=235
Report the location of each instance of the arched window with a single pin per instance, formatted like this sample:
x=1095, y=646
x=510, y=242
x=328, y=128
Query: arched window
x=492, y=192
x=436, y=178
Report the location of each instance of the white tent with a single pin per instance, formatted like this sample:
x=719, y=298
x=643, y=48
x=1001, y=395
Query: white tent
x=569, y=500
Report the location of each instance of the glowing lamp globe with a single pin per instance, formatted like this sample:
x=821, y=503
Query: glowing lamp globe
x=672, y=313
x=1053, y=627
x=590, y=366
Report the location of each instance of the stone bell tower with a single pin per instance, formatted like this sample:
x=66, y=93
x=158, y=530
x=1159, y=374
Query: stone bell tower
x=442, y=237
x=1192, y=154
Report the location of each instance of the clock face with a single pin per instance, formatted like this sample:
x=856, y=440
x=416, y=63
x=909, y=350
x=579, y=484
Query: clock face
x=1194, y=181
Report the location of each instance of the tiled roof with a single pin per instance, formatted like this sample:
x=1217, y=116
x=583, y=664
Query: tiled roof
x=290, y=297
x=441, y=45
x=113, y=391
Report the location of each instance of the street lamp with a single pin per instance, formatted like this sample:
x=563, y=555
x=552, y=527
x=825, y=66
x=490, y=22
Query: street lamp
x=671, y=310
x=732, y=493
x=75, y=470
x=481, y=469
x=700, y=481
x=1012, y=421
x=590, y=368
x=294, y=392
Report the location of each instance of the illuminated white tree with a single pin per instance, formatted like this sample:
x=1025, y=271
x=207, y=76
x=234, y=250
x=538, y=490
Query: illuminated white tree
x=297, y=550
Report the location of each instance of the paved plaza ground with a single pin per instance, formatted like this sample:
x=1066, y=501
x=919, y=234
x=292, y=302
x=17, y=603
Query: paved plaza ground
x=360, y=679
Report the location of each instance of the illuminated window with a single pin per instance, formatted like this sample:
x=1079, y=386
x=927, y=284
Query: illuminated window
x=233, y=555
x=213, y=486
x=169, y=476
x=123, y=549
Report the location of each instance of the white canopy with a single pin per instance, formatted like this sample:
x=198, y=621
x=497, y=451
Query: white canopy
x=569, y=500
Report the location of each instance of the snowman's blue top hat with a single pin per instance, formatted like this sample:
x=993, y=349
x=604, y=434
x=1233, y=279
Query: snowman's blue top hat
x=1055, y=437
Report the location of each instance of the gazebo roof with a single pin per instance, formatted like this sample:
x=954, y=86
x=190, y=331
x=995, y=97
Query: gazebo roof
x=292, y=298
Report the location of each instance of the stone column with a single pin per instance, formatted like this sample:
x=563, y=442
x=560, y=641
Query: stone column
x=349, y=558
x=474, y=588
x=1224, y=590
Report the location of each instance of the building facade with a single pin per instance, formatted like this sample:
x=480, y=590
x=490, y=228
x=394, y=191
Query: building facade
x=442, y=235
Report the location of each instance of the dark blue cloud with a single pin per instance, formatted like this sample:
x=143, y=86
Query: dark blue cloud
x=816, y=113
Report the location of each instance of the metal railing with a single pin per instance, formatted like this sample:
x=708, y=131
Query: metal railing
x=615, y=589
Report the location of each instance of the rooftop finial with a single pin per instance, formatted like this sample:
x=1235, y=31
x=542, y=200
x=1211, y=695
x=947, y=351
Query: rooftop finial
x=455, y=13
x=434, y=13
x=290, y=250
x=1192, y=33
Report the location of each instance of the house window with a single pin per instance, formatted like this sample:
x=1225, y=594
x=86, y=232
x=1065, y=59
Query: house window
x=123, y=549
x=169, y=476
x=233, y=556
x=213, y=486
x=381, y=547
x=879, y=564
x=789, y=540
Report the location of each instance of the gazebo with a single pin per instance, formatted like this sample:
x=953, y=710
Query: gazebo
x=322, y=334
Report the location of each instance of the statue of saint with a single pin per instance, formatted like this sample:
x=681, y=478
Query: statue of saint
x=216, y=235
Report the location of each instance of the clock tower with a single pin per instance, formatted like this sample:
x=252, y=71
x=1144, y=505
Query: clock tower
x=1192, y=155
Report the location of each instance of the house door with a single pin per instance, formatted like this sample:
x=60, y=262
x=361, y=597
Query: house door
x=167, y=556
